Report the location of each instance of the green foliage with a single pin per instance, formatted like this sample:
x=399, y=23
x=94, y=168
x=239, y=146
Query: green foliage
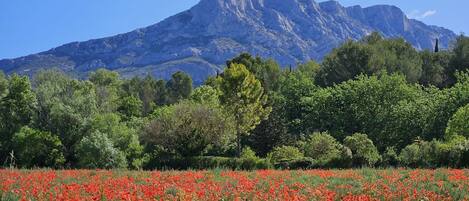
x=390, y=157
x=396, y=56
x=244, y=98
x=210, y=162
x=107, y=84
x=363, y=150
x=34, y=148
x=295, y=86
x=124, y=138
x=371, y=87
x=3, y=84
x=273, y=131
x=420, y=154
x=206, y=95
x=372, y=55
x=17, y=109
x=150, y=91
x=362, y=105
x=179, y=87
x=344, y=63
x=433, y=68
x=190, y=129
x=284, y=154
x=248, y=153
x=322, y=148
x=98, y=151
x=130, y=106
x=460, y=58
x=454, y=152
x=65, y=108
x=266, y=71
x=459, y=123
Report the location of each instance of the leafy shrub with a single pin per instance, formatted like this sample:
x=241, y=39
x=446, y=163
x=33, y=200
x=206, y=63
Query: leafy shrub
x=284, y=154
x=458, y=125
x=345, y=159
x=97, y=151
x=123, y=137
x=390, y=157
x=36, y=148
x=454, y=153
x=322, y=148
x=364, y=151
x=248, y=153
x=190, y=129
x=420, y=154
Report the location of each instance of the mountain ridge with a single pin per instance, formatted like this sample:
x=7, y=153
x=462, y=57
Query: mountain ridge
x=201, y=39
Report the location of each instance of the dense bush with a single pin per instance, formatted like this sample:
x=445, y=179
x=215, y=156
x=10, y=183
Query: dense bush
x=459, y=123
x=284, y=153
x=37, y=149
x=390, y=157
x=322, y=148
x=98, y=151
x=363, y=150
x=453, y=153
x=190, y=129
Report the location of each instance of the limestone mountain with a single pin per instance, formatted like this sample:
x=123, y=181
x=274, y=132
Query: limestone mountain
x=200, y=40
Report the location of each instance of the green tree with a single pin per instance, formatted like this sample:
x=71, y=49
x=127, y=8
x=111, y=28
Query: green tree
x=309, y=70
x=130, y=106
x=179, y=87
x=189, y=129
x=268, y=72
x=344, y=63
x=98, y=151
x=323, y=148
x=66, y=106
x=459, y=60
x=124, y=137
x=459, y=123
x=244, y=98
x=294, y=87
x=390, y=157
x=151, y=92
x=107, y=84
x=433, y=68
x=362, y=105
x=206, y=95
x=34, y=148
x=17, y=109
x=363, y=150
x=396, y=56
x=3, y=84
x=421, y=154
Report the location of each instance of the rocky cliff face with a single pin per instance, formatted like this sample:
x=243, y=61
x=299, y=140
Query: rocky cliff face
x=201, y=39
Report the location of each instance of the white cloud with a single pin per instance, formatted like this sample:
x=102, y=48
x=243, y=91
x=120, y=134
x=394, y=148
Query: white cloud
x=428, y=13
x=416, y=14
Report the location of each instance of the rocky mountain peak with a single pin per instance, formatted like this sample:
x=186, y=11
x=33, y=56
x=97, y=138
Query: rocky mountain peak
x=200, y=40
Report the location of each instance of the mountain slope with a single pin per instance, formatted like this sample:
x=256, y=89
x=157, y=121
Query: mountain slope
x=201, y=39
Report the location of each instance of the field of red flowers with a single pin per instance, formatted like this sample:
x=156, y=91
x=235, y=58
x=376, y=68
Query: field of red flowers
x=365, y=184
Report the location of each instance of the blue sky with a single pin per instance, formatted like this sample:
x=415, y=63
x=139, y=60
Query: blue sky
x=31, y=26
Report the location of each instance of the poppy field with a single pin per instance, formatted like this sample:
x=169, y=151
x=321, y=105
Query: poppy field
x=364, y=184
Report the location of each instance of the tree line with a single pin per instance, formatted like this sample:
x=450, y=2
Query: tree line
x=373, y=102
